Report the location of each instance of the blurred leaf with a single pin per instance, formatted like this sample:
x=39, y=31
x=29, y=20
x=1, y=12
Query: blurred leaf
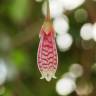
x=20, y=58
x=19, y=9
x=8, y=92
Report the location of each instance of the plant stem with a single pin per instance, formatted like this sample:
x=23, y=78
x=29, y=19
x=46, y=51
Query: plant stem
x=48, y=11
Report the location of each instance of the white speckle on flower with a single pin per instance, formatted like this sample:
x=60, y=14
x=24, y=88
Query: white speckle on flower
x=64, y=42
x=76, y=69
x=3, y=72
x=86, y=31
x=65, y=86
x=55, y=8
x=61, y=25
x=94, y=32
x=69, y=75
x=71, y=4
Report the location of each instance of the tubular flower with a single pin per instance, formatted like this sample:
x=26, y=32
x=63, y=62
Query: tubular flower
x=47, y=57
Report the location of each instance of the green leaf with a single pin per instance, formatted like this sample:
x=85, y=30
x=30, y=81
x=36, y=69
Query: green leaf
x=19, y=10
x=20, y=58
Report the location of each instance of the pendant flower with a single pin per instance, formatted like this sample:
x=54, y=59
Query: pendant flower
x=47, y=57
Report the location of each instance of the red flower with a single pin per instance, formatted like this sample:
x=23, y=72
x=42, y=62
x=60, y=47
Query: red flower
x=47, y=57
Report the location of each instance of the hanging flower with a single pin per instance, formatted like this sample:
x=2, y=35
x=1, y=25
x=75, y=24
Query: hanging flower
x=47, y=57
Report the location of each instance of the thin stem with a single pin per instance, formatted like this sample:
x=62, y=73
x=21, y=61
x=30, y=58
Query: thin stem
x=48, y=11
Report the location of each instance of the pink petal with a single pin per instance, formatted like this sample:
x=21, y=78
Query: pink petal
x=47, y=57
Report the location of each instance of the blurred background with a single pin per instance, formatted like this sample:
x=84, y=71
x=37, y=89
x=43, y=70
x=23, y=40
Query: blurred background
x=74, y=22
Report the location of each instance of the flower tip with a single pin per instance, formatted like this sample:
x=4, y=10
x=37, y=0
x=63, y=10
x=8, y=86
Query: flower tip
x=54, y=77
x=48, y=77
x=42, y=77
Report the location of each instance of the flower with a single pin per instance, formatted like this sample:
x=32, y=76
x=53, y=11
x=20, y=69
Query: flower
x=47, y=57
